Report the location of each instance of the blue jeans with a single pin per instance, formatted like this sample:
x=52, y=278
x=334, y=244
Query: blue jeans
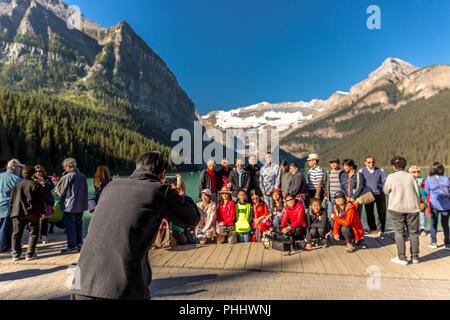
x=6, y=229
x=276, y=222
x=422, y=220
x=330, y=208
x=243, y=237
x=444, y=222
x=268, y=201
x=73, y=223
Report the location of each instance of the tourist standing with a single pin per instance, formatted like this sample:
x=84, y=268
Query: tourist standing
x=114, y=262
x=404, y=207
x=47, y=184
x=27, y=205
x=437, y=186
x=347, y=225
x=352, y=183
x=223, y=175
x=286, y=177
x=7, y=182
x=254, y=171
x=206, y=229
x=244, y=217
x=415, y=171
x=208, y=180
x=73, y=190
x=239, y=179
x=315, y=177
x=101, y=179
x=332, y=185
x=298, y=186
x=375, y=178
x=270, y=178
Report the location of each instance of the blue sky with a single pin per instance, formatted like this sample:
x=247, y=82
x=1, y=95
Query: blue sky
x=232, y=53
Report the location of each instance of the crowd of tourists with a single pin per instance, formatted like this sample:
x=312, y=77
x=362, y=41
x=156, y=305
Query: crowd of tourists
x=240, y=204
x=325, y=205
x=27, y=201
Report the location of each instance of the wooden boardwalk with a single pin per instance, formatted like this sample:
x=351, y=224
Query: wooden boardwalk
x=435, y=263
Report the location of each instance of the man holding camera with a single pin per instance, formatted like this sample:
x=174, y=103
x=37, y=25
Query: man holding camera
x=114, y=262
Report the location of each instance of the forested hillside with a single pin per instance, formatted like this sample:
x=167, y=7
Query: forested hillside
x=43, y=129
x=418, y=130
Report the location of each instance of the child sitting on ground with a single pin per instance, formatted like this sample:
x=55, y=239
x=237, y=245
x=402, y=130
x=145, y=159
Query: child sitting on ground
x=317, y=224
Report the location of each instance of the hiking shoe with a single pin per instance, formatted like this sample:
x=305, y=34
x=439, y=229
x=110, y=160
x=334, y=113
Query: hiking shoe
x=415, y=260
x=31, y=257
x=433, y=245
x=70, y=251
x=423, y=233
x=15, y=258
x=399, y=261
x=350, y=248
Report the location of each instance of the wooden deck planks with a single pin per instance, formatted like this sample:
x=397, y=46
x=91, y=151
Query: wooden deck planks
x=218, y=258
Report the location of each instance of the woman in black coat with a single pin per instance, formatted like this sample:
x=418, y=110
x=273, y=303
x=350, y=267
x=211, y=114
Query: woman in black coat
x=27, y=204
x=47, y=184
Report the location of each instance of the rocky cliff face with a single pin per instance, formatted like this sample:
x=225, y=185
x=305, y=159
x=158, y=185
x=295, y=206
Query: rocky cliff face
x=116, y=55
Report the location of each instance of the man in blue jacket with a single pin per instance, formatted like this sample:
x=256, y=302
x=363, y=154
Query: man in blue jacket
x=375, y=178
x=7, y=182
x=73, y=190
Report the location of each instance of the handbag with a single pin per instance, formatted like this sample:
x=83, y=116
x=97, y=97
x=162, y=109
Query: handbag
x=366, y=196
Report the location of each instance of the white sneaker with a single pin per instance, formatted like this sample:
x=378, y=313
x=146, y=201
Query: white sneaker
x=433, y=246
x=415, y=261
x=398, y=261
x=447, y=247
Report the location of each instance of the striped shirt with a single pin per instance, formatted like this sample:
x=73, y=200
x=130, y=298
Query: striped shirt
x=335, y=182
x=314, y=175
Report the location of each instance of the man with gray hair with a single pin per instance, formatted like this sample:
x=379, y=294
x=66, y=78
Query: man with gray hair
x=208, y=180
x=8, y=180
x=73, y=190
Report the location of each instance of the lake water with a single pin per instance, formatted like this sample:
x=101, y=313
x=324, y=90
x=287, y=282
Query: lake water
x=191, y=180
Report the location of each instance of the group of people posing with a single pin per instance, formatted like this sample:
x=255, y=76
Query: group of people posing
x=27, y=201
x=244, y=203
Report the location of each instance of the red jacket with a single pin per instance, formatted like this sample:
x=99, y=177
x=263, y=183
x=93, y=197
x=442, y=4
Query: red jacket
x=295, y=214
x=260, y=210
x=227, y=213
x=351, y=218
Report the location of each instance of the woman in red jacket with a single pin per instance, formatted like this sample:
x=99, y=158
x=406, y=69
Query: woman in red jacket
x=347, y=225
x=295, y=214
x=261, y=216
x=225, y=216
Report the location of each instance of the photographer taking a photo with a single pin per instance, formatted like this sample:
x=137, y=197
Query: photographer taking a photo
x=114, y=262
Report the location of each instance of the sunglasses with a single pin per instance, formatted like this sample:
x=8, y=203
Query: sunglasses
x=416, y=172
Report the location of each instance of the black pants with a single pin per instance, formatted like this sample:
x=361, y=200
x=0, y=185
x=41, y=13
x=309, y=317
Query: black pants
x=19, y=224
x=44, y=227
x=312, y=194
x=346, y=234
x=315, y=233
x=410, y=222
x=183, y=238
x=380, y=201
x=298, y=233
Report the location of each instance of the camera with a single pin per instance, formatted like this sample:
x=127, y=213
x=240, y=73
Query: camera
x=172, y=180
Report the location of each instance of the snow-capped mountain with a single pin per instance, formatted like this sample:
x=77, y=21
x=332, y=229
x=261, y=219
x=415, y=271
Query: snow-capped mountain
x=282, y=115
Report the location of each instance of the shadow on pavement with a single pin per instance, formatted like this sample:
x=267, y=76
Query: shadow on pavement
x=164, y=287
x=30, y=273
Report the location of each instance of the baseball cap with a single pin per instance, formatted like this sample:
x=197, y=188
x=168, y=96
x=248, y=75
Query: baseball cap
x=15, y=163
